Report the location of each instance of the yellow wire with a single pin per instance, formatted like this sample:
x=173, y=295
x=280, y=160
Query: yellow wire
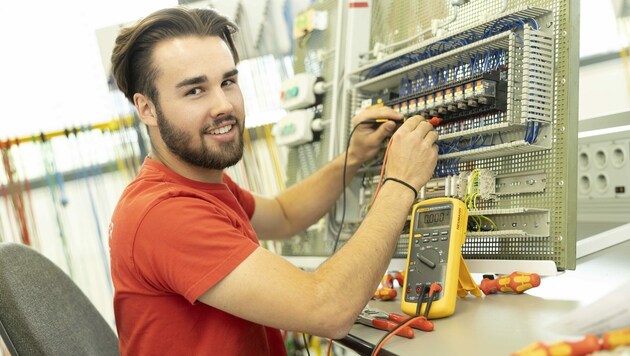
x=273, y=151
x=477, y=221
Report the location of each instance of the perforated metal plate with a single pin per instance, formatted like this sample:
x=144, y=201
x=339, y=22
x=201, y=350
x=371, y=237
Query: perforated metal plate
x=394, y=21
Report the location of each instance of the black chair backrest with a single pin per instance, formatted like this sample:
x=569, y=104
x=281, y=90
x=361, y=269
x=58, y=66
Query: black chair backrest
x=43, y=312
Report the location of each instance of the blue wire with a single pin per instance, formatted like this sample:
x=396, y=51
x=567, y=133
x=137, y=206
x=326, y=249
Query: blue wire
x=100, y=240
x=500, y=25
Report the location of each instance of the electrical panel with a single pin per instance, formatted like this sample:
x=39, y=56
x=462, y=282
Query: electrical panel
x=498, y=78
x=501, y=75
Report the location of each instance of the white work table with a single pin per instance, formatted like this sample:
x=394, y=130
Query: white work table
x=501, y=324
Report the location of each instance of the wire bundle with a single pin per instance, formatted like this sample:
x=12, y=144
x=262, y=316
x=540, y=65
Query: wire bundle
x=508, y=23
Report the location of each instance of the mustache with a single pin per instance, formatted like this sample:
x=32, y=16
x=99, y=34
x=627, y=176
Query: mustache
x=220, y=121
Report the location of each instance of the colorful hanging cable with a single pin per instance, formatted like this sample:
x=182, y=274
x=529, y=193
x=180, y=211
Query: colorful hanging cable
x=15, y=191
x=99, y=235
x=27, y=188
x=50, y=170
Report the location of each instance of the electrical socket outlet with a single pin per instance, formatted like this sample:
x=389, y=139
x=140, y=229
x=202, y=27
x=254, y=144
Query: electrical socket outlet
x=603, y=169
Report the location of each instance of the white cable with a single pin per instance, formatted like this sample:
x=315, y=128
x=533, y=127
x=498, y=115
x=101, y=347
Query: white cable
x=437, y=25
x=337, y=88
x=378, y=48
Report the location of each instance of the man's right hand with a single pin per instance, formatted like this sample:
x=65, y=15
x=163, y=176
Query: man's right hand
x=413, y=153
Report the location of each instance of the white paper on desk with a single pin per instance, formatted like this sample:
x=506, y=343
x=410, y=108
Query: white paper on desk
x=608, y=313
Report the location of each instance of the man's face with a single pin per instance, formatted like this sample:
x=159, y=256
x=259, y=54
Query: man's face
x=199, y=111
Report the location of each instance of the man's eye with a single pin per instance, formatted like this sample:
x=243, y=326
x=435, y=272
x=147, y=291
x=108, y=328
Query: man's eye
x=228, y=82
x=195, y=91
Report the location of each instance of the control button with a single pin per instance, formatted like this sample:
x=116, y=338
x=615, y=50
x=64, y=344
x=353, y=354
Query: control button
x=435, y=239
x=292, y=92
x=444, y=232
x=435, y=233
x=444, y=238
x=426, y=234
x=426, y=240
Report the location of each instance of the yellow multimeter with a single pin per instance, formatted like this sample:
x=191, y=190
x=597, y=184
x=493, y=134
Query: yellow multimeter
x=437, y=233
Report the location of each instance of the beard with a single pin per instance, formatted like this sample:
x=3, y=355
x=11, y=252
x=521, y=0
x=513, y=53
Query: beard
x=180, y=143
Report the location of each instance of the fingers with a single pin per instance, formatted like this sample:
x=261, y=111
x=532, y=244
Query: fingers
x=377, y=113
x=417, y=123
x=385, y=129
x=432, y=135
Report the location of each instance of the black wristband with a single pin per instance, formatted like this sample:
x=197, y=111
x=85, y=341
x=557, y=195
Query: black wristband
x=415, y=192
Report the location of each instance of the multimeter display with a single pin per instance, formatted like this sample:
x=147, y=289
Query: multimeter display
x=433, y=219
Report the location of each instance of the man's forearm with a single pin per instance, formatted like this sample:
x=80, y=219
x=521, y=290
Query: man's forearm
x=352, y=274
x=320, y=190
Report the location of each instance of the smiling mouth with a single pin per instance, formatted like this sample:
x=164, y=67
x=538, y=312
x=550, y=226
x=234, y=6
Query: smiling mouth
x=220, y=130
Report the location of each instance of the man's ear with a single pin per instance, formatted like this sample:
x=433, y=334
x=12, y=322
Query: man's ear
x=146, y=109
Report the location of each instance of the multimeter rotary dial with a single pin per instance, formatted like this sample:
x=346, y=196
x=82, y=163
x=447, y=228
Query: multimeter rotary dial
x=429, y=257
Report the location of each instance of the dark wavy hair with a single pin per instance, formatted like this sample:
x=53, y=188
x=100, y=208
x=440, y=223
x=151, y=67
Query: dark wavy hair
x=131, y=58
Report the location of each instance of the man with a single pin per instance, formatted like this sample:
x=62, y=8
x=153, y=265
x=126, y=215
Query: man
x=189, y=274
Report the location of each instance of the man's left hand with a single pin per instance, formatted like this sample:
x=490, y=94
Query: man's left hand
x=366, y=141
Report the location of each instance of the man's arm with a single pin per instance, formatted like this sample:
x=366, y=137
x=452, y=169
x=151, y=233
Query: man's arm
x=267, y=289
x=304, y=203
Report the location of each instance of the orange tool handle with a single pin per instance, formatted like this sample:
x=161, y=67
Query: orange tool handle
x=385, y=294
x=584, y=347
x=387, y=281
x=420, y=323
x=400, y=277
x=516, y=282
x=388, y=325
x=612, y=339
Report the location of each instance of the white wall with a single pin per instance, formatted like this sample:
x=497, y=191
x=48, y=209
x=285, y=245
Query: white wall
x=603, y=89
x=50, y=69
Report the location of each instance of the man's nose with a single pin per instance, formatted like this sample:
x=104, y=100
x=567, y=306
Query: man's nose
x=220, y=104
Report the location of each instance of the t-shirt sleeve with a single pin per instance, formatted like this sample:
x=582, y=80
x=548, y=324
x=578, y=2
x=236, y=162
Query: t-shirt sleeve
x=244, y=197
x=185, y=245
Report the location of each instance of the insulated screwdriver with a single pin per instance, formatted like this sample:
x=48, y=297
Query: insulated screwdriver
x=612, y=339
x=586, y=346
x=516, y=282
x=385, y=293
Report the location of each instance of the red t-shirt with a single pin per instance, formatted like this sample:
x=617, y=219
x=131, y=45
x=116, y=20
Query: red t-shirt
x=172, y=239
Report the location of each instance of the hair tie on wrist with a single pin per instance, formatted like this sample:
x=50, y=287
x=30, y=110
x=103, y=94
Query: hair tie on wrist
x=415, y=192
